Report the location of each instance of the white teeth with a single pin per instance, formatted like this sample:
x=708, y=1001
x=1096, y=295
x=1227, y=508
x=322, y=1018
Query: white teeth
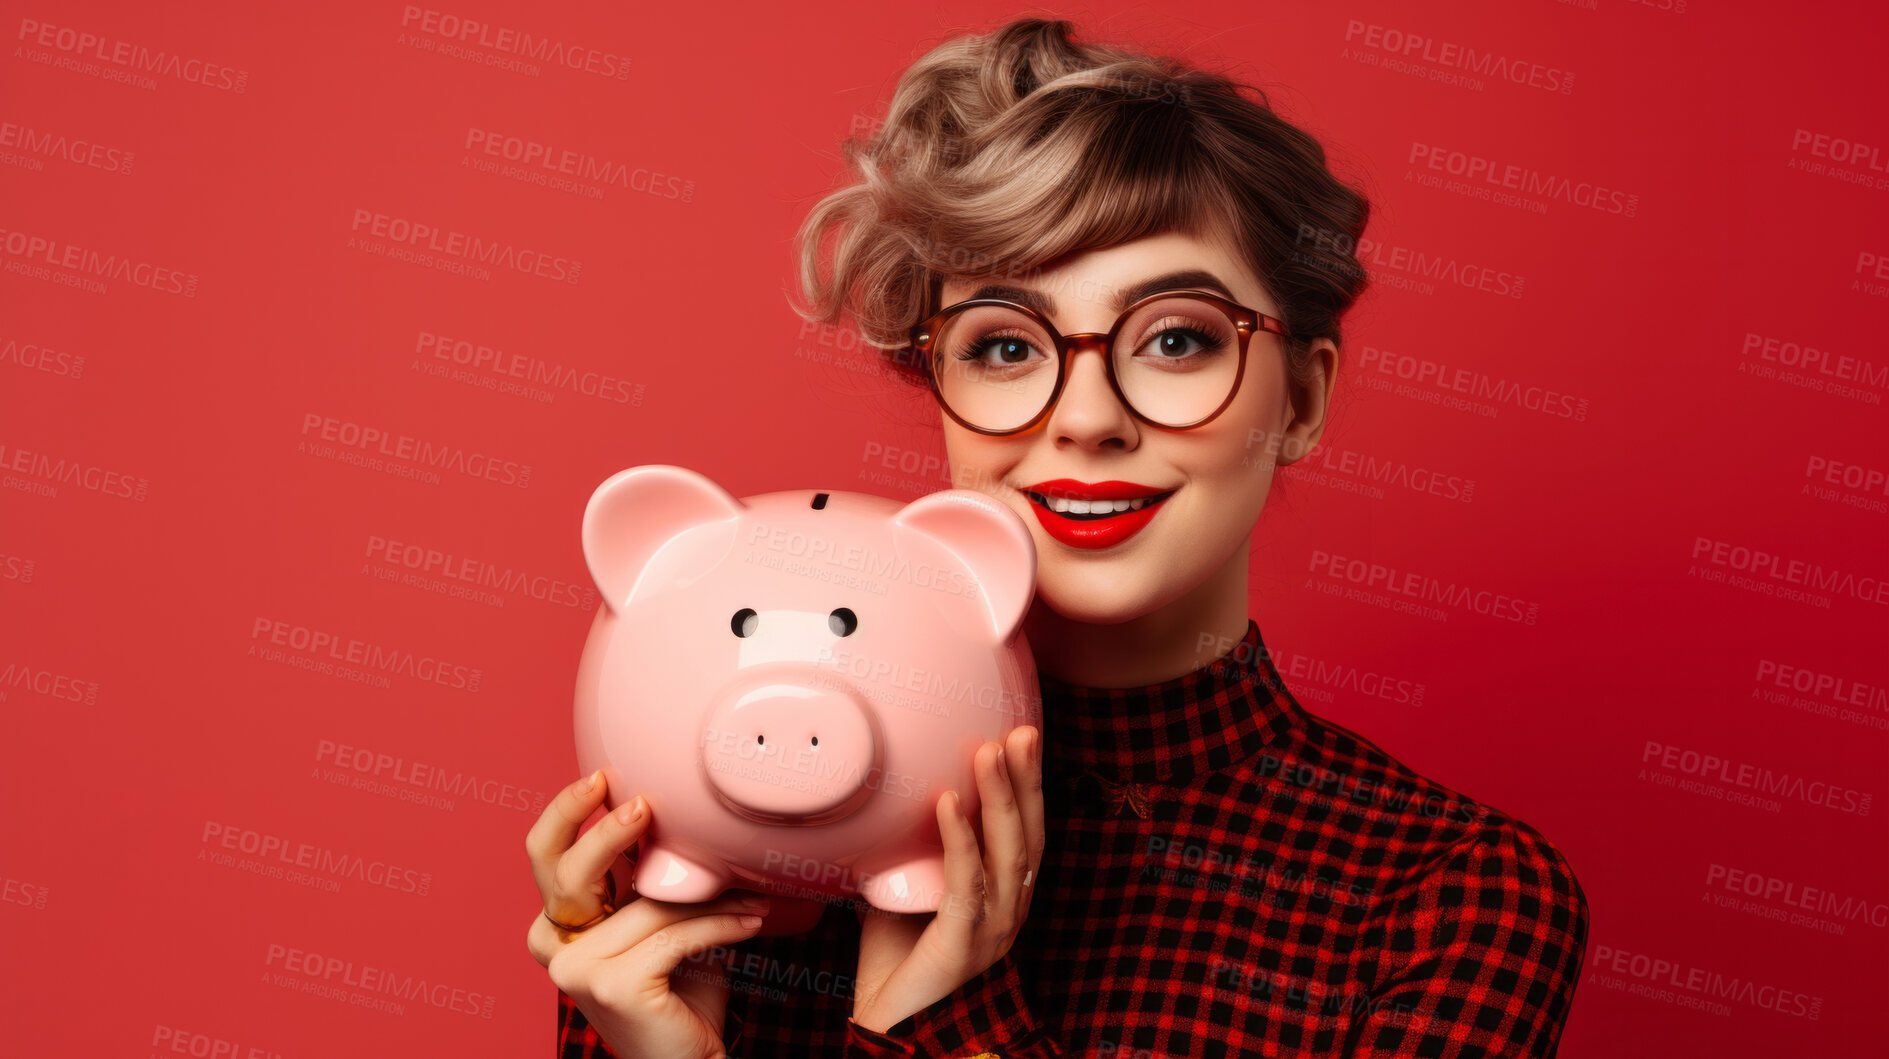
x=1094, y=507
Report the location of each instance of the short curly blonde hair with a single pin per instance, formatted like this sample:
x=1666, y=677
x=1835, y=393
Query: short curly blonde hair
x=1004, y=151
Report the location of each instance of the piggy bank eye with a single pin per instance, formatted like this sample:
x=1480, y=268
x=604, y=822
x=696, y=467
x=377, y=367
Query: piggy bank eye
x=745, y=622
x=842, y=621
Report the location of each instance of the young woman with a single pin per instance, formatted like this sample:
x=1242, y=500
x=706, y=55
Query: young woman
x=1185, y=861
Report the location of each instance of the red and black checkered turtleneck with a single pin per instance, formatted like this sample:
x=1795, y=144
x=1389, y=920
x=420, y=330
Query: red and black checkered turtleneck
x=1226, y=874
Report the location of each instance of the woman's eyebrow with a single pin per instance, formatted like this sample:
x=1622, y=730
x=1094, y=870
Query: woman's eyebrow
x=1025, y=296
x=1183, y=279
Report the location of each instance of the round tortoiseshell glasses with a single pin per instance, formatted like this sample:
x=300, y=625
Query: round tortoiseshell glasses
x=1174, y=359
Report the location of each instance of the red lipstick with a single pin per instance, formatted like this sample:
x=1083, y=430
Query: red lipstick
x=1093, y=530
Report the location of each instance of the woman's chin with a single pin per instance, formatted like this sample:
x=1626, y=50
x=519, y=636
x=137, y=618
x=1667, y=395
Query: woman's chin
x=1092, y=598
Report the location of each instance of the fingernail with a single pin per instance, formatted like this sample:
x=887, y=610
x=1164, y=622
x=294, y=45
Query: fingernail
x=750, y=921
x=759, y=903
x=590, y=781
x=631, y=811
x=957, y=805
x=1035, y=753
x=1003, y=770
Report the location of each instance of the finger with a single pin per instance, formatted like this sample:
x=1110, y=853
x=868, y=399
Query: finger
x=963, y=904
x=885, y=940
x=653, y=960
x=702, y=983
x=583, y=865
x=1005, y=858
x=593, y=955
x=1024, y=755
x=542, y=940
x=635, y=922
x=556, y=827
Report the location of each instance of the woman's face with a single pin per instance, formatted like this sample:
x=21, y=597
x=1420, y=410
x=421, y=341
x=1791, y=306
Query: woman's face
x=1218, y=474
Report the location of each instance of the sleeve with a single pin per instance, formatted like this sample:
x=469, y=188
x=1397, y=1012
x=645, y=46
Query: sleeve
x=988, y=1017
x=577, y=1040
x=1481, y=959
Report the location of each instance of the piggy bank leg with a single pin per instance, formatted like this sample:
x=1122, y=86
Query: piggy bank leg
x=915, y=885
x=669, y=876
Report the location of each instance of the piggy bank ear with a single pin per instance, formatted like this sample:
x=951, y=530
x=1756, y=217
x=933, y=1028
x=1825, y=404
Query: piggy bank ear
x=976, y=534
x=636, y=512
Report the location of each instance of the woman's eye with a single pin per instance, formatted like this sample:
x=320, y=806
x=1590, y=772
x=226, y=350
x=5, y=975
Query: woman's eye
x=745, y=622
x=1181, y=344
x=842, y=621
x=1009, y=351
x=1174, y=343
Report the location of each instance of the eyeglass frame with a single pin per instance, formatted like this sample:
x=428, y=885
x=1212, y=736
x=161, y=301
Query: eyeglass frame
x=1245, y=321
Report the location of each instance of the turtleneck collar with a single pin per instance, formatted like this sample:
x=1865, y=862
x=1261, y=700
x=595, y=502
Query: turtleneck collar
x=1195, y=723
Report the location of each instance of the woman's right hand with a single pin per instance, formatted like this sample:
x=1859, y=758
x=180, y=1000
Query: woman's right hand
x=619, y=972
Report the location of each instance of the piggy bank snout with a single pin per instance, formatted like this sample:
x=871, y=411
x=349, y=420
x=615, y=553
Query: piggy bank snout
x=790, y=751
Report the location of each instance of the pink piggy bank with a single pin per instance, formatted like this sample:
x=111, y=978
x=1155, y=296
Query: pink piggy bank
x=793, y=679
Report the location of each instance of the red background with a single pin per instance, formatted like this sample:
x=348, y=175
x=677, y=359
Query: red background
x=167, y=509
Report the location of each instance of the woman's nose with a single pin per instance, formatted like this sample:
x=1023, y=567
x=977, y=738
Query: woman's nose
x=1088, y=404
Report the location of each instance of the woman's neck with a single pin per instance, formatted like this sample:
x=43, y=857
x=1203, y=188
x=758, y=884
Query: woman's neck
x=1158, y=646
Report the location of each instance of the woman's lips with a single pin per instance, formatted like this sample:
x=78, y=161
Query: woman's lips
x=1091, y=530
x=1042, y=501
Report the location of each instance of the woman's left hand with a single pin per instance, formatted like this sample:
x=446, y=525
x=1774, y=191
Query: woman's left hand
x=909, y=962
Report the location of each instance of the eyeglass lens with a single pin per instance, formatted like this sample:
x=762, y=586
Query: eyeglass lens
x=1176, y=359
